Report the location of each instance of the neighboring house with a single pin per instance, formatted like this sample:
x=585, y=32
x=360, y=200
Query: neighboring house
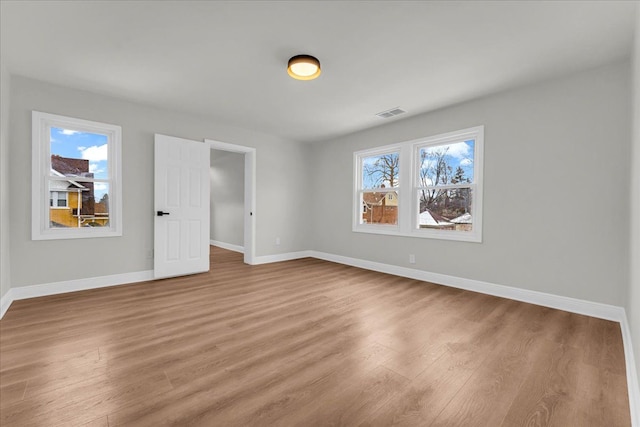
x=101, y=213
x=430, y=219
x=72, y=202
x=380, y=208
x=464, y=222
x=65, y=199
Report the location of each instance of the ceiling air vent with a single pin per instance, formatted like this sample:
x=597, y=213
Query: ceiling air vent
x=390, y=113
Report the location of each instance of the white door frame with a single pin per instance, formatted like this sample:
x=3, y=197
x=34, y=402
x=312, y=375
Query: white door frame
x=249, y=192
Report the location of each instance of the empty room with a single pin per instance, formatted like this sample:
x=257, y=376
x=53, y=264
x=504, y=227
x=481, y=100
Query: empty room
x=319, y=213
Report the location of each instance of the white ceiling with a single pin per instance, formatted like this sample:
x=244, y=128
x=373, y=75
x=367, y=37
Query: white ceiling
x=227, y=60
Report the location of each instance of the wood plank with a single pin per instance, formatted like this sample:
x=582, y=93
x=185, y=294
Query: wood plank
x=304, y=342
x=541, y=396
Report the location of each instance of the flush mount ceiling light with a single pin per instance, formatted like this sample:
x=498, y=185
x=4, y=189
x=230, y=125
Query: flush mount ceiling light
x=304, y=67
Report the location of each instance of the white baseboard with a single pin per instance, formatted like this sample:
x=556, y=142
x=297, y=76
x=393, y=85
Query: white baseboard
x=228, y=246
x=267, y=259
x=632, y=373
x=602, y=311
x=5, y=302
x=593, y=309
x=588, y=308
x=45, y=289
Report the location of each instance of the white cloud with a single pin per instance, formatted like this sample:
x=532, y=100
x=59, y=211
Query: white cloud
x=95, y=153
x=68, y=132
x=95, y=168
x=466, y=162
x=460, y=150
x=99, y=186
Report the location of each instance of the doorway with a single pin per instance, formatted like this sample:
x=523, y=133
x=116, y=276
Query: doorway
x=248, y=213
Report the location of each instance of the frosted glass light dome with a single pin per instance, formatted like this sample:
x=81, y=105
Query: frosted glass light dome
x=304, y=67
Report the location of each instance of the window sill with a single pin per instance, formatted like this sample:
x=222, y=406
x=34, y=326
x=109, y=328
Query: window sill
x=76, y=233
x=460, y=236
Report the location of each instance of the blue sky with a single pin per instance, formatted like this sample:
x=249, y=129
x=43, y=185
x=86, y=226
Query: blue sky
x=371, y=181
x=458, y=154
x=83, y=145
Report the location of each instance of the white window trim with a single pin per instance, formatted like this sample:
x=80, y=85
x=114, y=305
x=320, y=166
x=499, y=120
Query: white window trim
x=357, y=159
x=408, y=177
x=41, y=124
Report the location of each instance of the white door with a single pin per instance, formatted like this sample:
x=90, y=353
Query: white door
x=181, y=230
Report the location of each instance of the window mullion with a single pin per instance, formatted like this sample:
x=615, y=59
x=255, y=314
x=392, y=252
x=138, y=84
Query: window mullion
x=406, y=182
x=446, y=187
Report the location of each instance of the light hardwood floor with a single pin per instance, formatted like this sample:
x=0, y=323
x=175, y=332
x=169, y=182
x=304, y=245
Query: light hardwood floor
x=304, y=343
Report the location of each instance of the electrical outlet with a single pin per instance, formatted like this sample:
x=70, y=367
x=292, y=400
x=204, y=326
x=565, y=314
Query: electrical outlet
x=412, y=259
x=277, y=241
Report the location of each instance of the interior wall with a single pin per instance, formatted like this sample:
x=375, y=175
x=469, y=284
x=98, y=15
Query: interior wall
x=227, y=197
x=556, y=183
x=633, y=299
x=280, y=179
x=5, y=276
x=555, y=130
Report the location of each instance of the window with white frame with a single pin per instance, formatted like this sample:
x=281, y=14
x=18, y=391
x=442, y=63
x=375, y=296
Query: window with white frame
x=58, y=199
x=76, y=178
x=378, y=183
x=440, y=179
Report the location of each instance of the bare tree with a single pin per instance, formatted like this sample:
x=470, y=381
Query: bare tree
x=384, y=169
x=434, y=170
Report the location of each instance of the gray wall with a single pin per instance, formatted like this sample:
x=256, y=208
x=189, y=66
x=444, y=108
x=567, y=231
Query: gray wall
x=633, y=300
x=4, y=182
x=227, y=197
x=280, y=177
x=556, y=185
x=564, y=142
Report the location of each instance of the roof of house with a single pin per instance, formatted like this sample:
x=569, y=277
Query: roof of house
x=74, y=170
x=465, y=218
x=375, y=198
x=68, y=166
x=430, y=218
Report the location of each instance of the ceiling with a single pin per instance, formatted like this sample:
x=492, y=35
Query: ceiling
x=226, y=61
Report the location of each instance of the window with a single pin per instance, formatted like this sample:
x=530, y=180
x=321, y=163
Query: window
x=431, y=187
x=76, y=178
x=58, y=199
x=377, y=188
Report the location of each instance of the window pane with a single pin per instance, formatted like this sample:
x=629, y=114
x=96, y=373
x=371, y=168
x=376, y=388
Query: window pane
x=380, y=171
x=379, y=208
x=446, y=164
x=62, y=199
x=79, y=154
x=445, y=209
x=76, y=204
